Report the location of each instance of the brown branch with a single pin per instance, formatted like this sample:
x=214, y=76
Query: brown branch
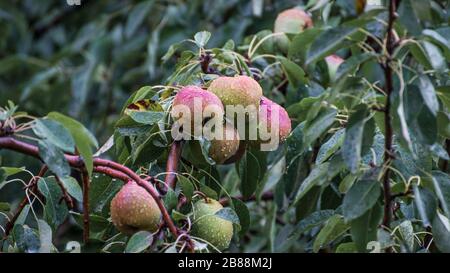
x=77, y=162
x=205, y=60
x=24, y=202
x=388, y=152
x=66, y=195
x=444, y=166
x=172, y=164
x=86, y=184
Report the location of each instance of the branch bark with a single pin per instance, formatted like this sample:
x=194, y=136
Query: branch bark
x=172, y=164
x=86, y=183
x=388, y=152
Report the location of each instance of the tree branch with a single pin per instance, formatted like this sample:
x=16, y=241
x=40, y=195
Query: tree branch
x=77, y=162
x=86, y=184
x=444, y=166
x=388, y=152
x=66, y=195
x=172, y=164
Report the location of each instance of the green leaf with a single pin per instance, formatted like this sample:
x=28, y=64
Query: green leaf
x=84, y=140
x=12, y=170
x=347, y=183
x=334, y=228
x=294, y=73
x=351, y=148
x=317, y=176
x=145, y=92
x=347, y=248
x=243, y=213
x=39, y=79
x=72, y=187
x=426, y=205
x=441, y=183
x=249, y=172
x=319, y=125
x=136, y=17
x=364, y=228
x=328, y=42
x=351, y=64
x=360, y=198
x=438, y=39
x=428, y=94
x=434, y=56
x=145, y=117
x=228, y=214
x=55, y=211
x=170, y=200
x=26, y=239
x=410, y=14
x=443, y=124
x=55, y=133
x=294, y=144
x=23, y=215
x=5, y=207
x=313, y=220
x=98, y=224
x=201, y=38
x=45, y=237
x=139, y=242
x=101, y=191
x=301, y=43
x=54, y=158
x=186, y=187
x=330, y=147
x=407, y=232
x=441, y=232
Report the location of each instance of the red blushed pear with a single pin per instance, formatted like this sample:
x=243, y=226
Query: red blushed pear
x=333, y=63
x=133, y=209
x=283, y=122
x=291, y=21
x=238, y=90
x=226, y=147
x=187, y=98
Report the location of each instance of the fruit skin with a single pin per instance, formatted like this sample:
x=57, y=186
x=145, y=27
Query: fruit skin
x=291, y=21
x=134, y=209
x=221, y=150
x=186, y=96
x=239, y=153
x=333, y=62
x=207, y=226
x=284, y=122
x=239, y=90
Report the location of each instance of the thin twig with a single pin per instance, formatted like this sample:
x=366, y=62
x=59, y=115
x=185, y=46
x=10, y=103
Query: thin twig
x=24, y=202
x=66, y=195
x=86, y=183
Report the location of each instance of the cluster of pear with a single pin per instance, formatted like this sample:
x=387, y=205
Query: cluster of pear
x=134, y=209
x=233, y=91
